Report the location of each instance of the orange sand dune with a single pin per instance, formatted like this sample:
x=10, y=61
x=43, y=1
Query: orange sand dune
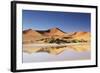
x=82, y=35
x=39, y=36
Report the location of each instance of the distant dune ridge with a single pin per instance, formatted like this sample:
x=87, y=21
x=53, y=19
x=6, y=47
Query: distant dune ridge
x=58, y=39
x=30, y=36
x=34, y=35
x=82, y=35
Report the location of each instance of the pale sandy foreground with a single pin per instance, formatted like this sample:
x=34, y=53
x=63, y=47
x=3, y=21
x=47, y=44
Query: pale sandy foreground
x=64, y=56
x=55, y=52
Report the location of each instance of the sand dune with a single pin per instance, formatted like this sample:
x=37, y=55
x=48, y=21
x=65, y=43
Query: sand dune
x=55, y=32
x=82, y=35
x=36, y=35
x=55, y=36
x=30, y=36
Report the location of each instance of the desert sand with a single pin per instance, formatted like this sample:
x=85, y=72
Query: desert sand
x=55, y=41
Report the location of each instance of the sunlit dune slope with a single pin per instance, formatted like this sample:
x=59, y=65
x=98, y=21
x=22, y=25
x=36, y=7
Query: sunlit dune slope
x=55, y=35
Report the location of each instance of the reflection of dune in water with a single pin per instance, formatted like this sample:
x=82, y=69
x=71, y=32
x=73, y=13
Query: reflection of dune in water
x=57, y=50
x=48, y=50
x=80, y=48
x=33, y=53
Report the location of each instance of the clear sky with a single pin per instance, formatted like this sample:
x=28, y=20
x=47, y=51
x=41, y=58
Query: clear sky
x=66, y=21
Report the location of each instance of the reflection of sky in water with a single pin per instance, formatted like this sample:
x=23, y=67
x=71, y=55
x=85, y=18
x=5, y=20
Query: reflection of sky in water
x=66, y=55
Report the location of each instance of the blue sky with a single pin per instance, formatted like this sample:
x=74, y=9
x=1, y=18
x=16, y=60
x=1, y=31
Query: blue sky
x=66, y=21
